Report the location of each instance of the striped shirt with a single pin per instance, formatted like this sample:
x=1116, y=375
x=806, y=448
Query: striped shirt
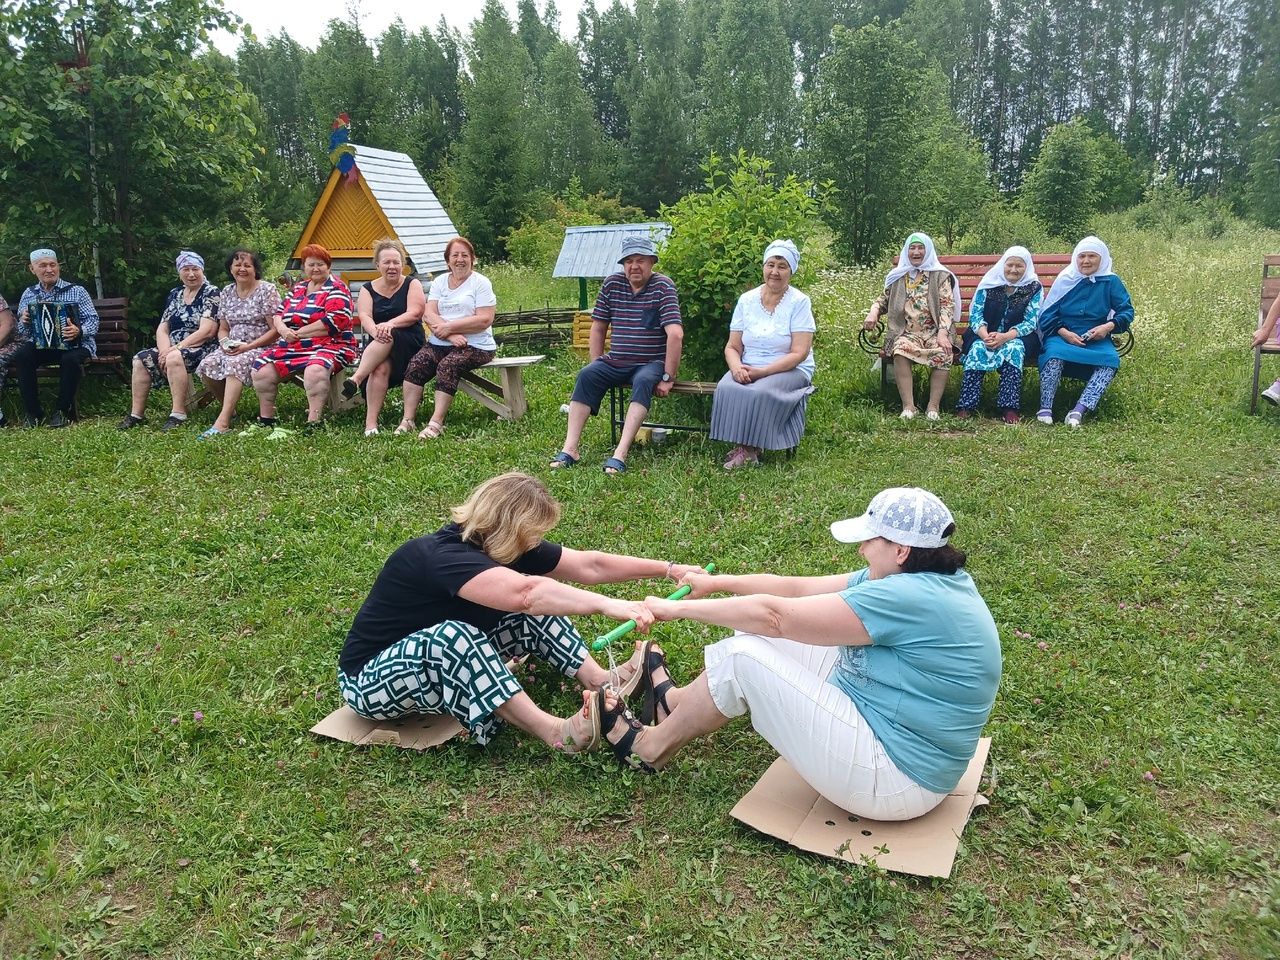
x=637, y=319
x=64, y=292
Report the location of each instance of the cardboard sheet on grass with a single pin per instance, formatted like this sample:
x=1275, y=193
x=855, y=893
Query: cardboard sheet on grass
x=782, y=805
x=419, y=731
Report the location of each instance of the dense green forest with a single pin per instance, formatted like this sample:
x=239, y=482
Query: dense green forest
x=995, y=120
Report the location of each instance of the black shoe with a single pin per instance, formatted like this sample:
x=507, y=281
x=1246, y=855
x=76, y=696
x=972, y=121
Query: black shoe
x=29, y=422
x=312, y=427
x=130, y=421
x=349, y=388
x=173, y=423
x=267, y=421
x=58, y=420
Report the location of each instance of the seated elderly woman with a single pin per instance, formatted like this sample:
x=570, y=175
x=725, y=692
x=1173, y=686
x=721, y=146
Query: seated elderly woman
x=760, y=403
x=1085, y=306
x=922, y=300
x=390, y=310
x=186, y=333
x=10, y=341
x=245, y=308
x=460, y=312
x=878, y=695
x=314, y=325
x=1004, y=311
x=449, y=609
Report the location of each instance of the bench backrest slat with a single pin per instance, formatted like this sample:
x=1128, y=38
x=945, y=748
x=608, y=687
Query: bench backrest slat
x=970, y=269
x=113, y=328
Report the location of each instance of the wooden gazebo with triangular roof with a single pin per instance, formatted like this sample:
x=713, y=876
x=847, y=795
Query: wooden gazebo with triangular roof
x=388, y=198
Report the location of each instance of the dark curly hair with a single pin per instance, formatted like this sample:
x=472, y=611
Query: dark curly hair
x=252, y=255
x=943, y=559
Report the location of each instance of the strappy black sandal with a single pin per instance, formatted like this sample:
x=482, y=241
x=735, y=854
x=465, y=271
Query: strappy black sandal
x=621, y=747
x=655, y=694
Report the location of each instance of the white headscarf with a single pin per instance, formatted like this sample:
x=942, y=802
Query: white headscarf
x=1068, y=278
x=930, y=262
x=995, y=276
x=786, y=250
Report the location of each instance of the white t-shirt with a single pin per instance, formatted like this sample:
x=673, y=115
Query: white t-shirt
x=476, y=291
x=766, y=337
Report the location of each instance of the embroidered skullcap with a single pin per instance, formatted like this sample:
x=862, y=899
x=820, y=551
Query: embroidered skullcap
x=43, y=253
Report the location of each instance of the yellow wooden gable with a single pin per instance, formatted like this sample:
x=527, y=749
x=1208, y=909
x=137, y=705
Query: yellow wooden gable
x=347, y=221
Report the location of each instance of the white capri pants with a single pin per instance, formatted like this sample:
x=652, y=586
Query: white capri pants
x=812, y=723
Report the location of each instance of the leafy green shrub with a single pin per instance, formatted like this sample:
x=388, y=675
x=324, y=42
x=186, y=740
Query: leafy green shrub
x=536, y=242
x=718, y=237
x=1169, y=208
x=999, y=225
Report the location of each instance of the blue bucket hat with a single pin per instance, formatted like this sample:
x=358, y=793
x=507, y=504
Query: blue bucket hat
x=642, y=246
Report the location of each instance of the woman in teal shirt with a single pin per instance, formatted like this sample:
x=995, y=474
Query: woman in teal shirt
x=880, y=694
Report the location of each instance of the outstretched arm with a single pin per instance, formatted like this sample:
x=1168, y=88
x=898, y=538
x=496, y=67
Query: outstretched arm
x=596, y=566
x=703, y=584
x=825, y=621
x=501, y=588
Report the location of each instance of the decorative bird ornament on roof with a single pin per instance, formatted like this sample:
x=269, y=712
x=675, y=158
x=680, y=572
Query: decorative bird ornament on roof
x=341, y=153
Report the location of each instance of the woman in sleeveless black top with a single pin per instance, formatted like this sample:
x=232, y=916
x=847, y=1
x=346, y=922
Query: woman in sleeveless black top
x=390, y=310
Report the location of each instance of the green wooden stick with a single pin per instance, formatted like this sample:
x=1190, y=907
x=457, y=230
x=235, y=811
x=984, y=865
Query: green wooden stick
x=622, y=629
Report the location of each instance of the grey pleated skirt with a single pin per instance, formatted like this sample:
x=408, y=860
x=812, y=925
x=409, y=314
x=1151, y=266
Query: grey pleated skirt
x=768, y=414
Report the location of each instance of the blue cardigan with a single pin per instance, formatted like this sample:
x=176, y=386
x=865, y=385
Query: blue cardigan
x=1090, y=302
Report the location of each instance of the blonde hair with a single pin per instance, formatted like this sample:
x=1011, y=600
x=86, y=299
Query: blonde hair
x=390, y=243
x=507, y=515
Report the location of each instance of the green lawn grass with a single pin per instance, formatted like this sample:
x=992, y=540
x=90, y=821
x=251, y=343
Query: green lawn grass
x=172, y=613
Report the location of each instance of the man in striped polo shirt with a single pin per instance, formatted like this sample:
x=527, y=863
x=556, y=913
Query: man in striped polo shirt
x=643, y=311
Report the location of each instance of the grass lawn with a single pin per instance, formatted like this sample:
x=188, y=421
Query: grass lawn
x=172, y=612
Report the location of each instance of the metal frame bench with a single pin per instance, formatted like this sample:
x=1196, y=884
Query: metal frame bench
x=685, y=388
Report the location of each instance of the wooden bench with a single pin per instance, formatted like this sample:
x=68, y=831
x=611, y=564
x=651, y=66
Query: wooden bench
x=112, y=340
x=1269, y=292
x=505, y=396
x=969, y=270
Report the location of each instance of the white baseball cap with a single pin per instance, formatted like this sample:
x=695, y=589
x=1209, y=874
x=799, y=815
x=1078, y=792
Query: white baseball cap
x=905, y=515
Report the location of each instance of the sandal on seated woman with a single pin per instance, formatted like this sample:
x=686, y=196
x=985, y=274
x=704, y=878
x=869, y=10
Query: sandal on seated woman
x=623, y=732
x=654, y=685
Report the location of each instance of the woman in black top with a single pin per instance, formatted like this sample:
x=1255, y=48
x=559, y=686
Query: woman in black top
x=449, y=609
x=390, y=309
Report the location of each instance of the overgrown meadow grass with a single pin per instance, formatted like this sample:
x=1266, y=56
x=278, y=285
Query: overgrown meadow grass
x=172, y=613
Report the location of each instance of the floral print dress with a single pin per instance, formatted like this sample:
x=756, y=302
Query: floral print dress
x=183, y=319
x=918, y=341
x=248, y=319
